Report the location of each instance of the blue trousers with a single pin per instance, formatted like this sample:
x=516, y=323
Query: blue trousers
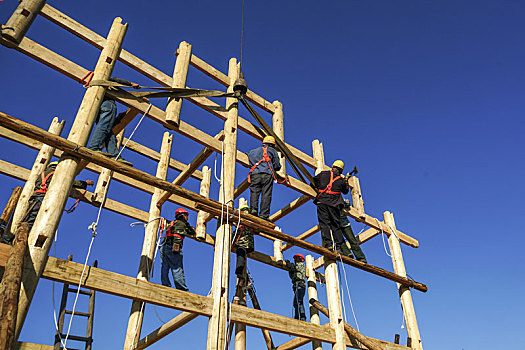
x=298, y=296
x=172, y=261
x=103, y=133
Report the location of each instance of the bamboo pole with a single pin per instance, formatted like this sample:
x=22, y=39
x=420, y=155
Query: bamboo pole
x=278, y=128
x=312, y=295
x=180, y=74
x=334, y=303
x=148, y=248
x=105, y=176
x=46, y=223
x=409, y=312
x=221, y=263
x=10, y=286
x=40, y=164
x=20, y=21
x=200, y=229
x=9, y=208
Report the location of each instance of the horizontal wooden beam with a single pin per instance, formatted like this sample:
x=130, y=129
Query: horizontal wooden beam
x=64, y=271
x=32, y=346
x=302, y=236
x=289, y=208
x=166, y=329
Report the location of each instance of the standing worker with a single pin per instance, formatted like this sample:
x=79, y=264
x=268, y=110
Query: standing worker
x=297, y=272
x=329, y=203
x=264, y=163
x=348, y=233
x=35, y=201
x=106, y=120
x=171, y=250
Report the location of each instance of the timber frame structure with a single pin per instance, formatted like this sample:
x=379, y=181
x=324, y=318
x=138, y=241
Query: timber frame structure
x=75, y=157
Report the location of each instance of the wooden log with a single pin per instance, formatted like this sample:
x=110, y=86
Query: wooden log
x=289, y=208
x=20, y=21
x=334, y=303
x=318, y=152
x=166, y=329
x=277, y=253
x=357, y=196
x=179, y=81
x=148, y=247
x=32, y=346
x=256, y=305
x=409, y=312
x=239, y=190
x=105, y=176
x=46, y=223
x=9, y=208
x=303, y=236
x=203, y=203
x=40, y=164
x=221, y=262
x=200, y=229
x=312, y=295
x=190, y=168
x=10, y=287
x=278, y=128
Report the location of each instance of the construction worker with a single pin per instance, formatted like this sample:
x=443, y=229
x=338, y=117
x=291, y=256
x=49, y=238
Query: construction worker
x=106, y=120
x=35, y=201
x=264, y=162
x=243, y=243
x=171, y=250
x=297, y=272
x=348, y=233
x=329, y=203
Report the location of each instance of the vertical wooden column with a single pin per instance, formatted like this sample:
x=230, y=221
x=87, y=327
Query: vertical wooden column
x=40, y=164
x=91, y=317
x=180, y=74
x=404, y=293
x=334, y=303
x=20, y=21
x=357, y=197
x=200, y=229
x=221, y=262
x=9, y=208
x=278, y=129
x=148, y=247
x=105, y=176
x=240, y=329
x=312, y=294
x=277, y=249
x=46, y=223
x=318, y=154
x=62, y=313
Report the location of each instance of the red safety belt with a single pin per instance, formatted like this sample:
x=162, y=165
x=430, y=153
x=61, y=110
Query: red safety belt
x=266, y=158
x=328, y=188
x=170, y=234
x=43, y=185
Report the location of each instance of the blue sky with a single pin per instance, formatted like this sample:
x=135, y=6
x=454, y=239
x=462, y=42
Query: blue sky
x=425, y=97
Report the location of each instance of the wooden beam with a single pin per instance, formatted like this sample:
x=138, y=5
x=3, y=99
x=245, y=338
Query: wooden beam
x=278, y=129
x=20, y=21
x=180, y=74
x=9, y=208
x=166, y=329
x=200, y=228
x=303, y=236
x=289, y=208
x=32, y=346
x=357, y=196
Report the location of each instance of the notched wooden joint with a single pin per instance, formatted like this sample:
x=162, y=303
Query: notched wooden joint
x=109, y=59
x=26, y=12
x=40, y=241
x=43, y=160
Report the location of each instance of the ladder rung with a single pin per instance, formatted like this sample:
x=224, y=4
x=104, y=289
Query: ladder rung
x=77, y=313
x=85, y=292
x=77, y=338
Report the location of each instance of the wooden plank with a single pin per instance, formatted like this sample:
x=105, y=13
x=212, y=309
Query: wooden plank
x=303, y=236
x=289, y=208
x=166, y=329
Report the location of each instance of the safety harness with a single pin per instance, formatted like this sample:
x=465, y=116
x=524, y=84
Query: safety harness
x=328, y=188
x=43, y=185
x=176, y=247
x=266, y=158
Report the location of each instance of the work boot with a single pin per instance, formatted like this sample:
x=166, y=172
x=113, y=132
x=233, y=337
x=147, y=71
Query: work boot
x=363, y=260
x=123, y=161
x=327, y=244
x=105, y=154
x=345, y=251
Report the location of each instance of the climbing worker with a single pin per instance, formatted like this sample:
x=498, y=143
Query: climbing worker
x=297, y=272
x=265, y=164
x=171, y=250
x=106, y=120
x=349, y=235
x=243, y=243
x=35, y=201
x=329, y=203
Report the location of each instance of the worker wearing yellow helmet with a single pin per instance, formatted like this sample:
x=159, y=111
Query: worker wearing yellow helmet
x=329, y=201
x=264, y=162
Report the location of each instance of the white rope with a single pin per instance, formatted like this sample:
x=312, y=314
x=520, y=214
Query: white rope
x=349, y=297
x=133, y=132
x=383, y=234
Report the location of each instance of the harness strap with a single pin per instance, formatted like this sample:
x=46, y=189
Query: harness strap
x=266, y=158
x=74, y=206
x=328, y=188
x=43, y=185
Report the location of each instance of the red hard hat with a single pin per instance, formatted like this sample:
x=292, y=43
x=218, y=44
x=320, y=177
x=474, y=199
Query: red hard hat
x=180, y=211
x=299, y=256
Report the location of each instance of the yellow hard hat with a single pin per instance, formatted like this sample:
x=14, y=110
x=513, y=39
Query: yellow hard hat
x=55, y=163
x=339, y=164
x=244, y=207
x=269, y=139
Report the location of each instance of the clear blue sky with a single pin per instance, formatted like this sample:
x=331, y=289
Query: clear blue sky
x=425, y=97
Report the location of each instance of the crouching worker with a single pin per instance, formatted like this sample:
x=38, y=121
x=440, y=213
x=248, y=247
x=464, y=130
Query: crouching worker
x=171, y=250
x=35, y=201
x=297, y=272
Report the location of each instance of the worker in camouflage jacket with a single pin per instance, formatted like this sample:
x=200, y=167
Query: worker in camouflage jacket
x=243, y=243
x=297, y=272
x=171, y=250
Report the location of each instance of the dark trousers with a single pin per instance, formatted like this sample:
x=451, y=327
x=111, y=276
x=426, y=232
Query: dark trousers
x=298, y=296
x=241, y=261
x=329, y=223
x=35, y=202
x=356, y=248
x=261, y=184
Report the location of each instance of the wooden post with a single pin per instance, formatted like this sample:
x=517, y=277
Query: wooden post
x=334, y=303
x=266, y=333
x=105, y=176
x=204, y=191
x=312, y=294
x=179, y=80
x=240, y=329
x=20, y=21
x=278, y=128
x=148, y=247
x=404, y=293
x=9, y=208
x=90, y=320
x=277, y=252
x=46, y=223
x=40, y=164
x=62, y=312
x=10, y=287
x=357, y=197
x=221, y=262
x=318, y=153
